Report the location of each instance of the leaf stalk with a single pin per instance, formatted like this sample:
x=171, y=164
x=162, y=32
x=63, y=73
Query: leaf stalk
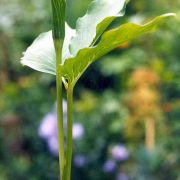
x=69, y=132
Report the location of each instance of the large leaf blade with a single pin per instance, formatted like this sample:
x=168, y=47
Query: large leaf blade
x=89, y=28
x=40, y=55
x=74, y=67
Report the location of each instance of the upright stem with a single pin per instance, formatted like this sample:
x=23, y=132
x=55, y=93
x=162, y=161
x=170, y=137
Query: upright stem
x=59, y=108
x=58, y=32
x=69, y=132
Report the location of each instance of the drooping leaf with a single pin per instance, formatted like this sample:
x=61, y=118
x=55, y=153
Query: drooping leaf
x=40, y=55
x=98, y=17
x=74, y=67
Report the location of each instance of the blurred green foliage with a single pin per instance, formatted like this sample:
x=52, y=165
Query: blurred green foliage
x=100, y=105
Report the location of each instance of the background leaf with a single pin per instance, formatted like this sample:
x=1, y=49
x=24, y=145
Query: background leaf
x=89, y=28
x=74, y=67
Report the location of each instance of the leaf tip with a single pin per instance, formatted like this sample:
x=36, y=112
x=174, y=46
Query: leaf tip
x=170, y=14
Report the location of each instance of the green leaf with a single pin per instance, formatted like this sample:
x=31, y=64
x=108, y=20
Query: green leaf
x=98, y=17
x=74, y=67
x=40, y=55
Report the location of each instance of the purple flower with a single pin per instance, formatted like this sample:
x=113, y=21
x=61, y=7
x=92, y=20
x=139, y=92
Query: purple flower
x=119, y=152
x=78, y=131
x=48, y=126
x=109, y=166
x=122, y=176
x=48, y=129
x=53, y=145
x=80, y=160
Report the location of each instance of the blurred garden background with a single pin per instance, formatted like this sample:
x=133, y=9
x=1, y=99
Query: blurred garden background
x=127, y=105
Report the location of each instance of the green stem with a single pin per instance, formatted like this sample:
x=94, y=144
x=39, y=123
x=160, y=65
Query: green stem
x=69, y=132
x=58, y=29
x=58, y=45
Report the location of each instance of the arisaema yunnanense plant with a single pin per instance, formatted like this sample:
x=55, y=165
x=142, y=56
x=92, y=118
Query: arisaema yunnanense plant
x=67, y=53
